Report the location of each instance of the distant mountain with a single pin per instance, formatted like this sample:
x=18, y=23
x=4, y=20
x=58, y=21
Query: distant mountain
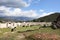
x=48, y=18
x=12, y=18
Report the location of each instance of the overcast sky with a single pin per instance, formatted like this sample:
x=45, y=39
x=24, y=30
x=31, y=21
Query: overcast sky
x=29, y=8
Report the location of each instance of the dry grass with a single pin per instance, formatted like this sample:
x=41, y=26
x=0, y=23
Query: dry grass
x=44, y=36
x=30, y=33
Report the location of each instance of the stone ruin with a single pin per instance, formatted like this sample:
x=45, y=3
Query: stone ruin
x=56, y=23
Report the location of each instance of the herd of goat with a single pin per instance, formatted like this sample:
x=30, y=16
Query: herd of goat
x=13, y=25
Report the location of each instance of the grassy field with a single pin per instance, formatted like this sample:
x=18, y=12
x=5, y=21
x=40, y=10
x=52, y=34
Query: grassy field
x=23, y=33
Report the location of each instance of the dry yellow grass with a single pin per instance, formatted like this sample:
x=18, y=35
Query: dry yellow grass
x=45, y=36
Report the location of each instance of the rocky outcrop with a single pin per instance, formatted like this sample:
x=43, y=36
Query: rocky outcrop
x=56, y=23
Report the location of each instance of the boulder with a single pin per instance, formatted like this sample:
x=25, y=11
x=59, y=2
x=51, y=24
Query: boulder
x=56, y=23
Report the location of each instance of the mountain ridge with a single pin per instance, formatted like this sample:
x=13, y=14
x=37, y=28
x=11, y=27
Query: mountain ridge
x=48, y=18
x=12, y=18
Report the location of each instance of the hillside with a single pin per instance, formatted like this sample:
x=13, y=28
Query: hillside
x=48, y=18
x=12, y=18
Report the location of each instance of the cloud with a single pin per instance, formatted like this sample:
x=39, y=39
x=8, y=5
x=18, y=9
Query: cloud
x=7, y=11
x=14, y=3
x=17, y=12
x=45, y=14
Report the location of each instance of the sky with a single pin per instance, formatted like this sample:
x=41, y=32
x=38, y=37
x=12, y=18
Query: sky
x=29, y=8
